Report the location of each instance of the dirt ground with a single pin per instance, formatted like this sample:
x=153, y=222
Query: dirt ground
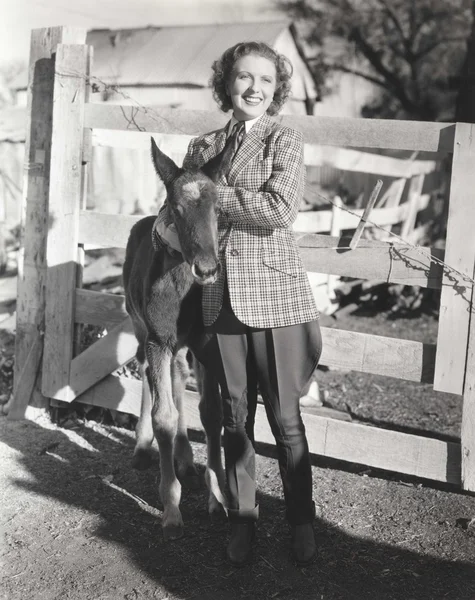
x=79, y=524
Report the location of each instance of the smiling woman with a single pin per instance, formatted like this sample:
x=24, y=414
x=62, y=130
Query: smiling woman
x=261, y=322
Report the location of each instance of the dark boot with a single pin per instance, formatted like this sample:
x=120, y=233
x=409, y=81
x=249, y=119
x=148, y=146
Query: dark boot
x=304, y=547
x=239, y=549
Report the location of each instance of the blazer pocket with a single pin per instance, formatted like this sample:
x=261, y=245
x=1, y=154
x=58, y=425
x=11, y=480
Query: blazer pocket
x=274, y=259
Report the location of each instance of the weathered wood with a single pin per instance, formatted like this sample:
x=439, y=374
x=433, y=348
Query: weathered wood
x=367, y=353
x=326, y=131
x=116, y=393
x=468, y=414
x=106, y=355
x=414, y=194
x=100, y=230
x=99, y=308
x=371, y=259
x=340, y=158
x=35, y=220
x=365, y=216
x=366, y=162
x=318, y=221
x=404, y=359
x=371, y=446
x=84, y=179
x=383, y=449
x=454, y=313
x=64, y=205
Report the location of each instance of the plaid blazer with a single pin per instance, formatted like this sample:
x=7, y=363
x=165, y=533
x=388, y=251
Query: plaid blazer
x=259, y=201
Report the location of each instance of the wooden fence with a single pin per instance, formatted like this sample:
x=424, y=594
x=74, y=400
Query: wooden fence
x=62, y=128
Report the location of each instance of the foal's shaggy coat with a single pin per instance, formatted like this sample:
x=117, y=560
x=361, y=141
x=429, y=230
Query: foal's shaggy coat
x=164, y=303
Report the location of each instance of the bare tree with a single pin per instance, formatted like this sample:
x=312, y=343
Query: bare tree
x=410, y=49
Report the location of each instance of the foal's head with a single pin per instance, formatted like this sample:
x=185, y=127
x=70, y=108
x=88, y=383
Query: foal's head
x=193, y=199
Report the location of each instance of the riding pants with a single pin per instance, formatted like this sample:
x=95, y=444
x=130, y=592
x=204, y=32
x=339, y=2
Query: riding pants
x=280, y=361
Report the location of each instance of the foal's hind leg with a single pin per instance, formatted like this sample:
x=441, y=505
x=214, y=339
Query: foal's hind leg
x=165, y=425
x=183, y=452
x=144, y=431
x=211, y=414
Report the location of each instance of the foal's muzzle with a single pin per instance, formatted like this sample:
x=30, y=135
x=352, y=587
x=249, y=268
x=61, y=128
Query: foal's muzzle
x=205, y=273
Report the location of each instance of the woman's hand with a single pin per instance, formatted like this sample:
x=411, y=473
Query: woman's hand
x=279, y=202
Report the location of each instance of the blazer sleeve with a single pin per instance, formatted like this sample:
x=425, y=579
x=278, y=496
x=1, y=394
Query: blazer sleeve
x=277, y=205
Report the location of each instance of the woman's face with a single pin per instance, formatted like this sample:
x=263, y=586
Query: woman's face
x=252, y=86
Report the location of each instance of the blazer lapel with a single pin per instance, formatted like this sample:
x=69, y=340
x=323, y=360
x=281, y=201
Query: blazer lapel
x=251, y=144
x=213, y=144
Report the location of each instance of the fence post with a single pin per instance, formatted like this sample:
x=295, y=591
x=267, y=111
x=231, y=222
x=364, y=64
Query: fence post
x=468, y=415
x=66, y=176
x=32, y=260
x=455, y=301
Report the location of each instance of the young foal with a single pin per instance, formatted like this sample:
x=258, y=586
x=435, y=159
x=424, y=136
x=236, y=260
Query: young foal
x=164, y=303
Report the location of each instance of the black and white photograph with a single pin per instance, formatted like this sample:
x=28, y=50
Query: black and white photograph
x=237, y=300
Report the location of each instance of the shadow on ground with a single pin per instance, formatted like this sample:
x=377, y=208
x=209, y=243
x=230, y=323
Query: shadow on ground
x=79, y=526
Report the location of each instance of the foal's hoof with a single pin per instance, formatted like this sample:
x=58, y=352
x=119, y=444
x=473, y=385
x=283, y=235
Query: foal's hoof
x=142, y=460
x=172, y=532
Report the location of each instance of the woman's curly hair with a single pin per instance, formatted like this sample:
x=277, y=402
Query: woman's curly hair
x=223, y=67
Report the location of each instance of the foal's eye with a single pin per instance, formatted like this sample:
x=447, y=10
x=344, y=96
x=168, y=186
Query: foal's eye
x=179, y=209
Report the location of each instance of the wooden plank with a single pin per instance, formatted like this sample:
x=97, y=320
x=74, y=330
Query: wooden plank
x=340, y=158
x=393, y=357
x=468, y=413
x=404, y=359
x=106, y=355
x=362, y=444
x=99, y=308
x=116, y=393
x=371, y=259
x=454, y=313
x=365, y=162
x=359, y=133
x=100, y=230
x=32, y=261
x=86, y=157
x=140, y=140
x=318, y=221
x=414, y=195
x=64, y=205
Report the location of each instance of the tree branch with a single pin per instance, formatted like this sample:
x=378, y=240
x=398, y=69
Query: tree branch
x=362, y=74
x=434, y=45
x=393, y=83
x=395, y=19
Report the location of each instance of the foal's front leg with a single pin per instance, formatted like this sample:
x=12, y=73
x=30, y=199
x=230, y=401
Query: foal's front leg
x=144, y=432
x=165, y=424
x=183, y=451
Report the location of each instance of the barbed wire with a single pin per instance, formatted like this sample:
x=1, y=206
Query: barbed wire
x=98, y=85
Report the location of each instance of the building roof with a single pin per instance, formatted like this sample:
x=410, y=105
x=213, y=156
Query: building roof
x=182, y=55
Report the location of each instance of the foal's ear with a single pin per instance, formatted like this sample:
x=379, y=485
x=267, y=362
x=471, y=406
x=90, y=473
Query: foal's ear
x=165, y=167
